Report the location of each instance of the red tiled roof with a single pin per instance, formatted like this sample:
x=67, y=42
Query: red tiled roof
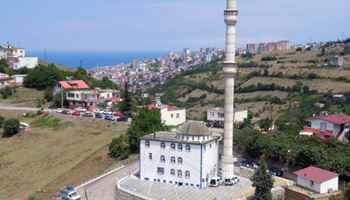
x=334, y=118
x=76, y=84
x=155, y=106
x=172, y=108
x=318, y=131
x=316, y=174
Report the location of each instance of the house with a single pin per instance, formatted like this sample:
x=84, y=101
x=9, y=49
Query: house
x=188, y=157
x=216, y=116
x=2, y=75
x=326, y=126
x=90, y=99
x=336, y=61
x=313, y=183
x=16, y=57
x=5, y=81
x=170, y=115
x=70, y=85
x=18, y=79
x=319, y=105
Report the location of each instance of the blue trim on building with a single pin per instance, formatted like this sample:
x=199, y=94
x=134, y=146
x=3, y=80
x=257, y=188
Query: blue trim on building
x=201, y=165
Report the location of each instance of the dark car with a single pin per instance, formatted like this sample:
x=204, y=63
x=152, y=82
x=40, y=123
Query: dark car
x=65, y=112
x=88, y=115
x=127, y=114
x=98, y=115
x=122, y=119
x=109, y=118
x=276, y=172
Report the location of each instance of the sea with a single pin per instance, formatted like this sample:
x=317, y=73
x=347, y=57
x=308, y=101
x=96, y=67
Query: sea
x=91, y=59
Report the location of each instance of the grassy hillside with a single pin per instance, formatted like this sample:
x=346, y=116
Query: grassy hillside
x=55, y=152
x=262, y=80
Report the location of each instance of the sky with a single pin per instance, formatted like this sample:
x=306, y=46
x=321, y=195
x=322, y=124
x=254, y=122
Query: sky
x=162, y=25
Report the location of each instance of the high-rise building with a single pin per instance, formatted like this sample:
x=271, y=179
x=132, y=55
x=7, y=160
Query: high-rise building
x=230, y=70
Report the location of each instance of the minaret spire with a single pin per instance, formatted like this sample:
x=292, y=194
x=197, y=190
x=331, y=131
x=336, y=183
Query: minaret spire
x=230, y=70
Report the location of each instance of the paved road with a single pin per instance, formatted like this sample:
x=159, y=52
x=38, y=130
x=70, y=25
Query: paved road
x=11, y=107
x=104, y=188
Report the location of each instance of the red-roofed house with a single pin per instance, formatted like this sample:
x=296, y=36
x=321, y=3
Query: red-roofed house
x=69, y=85
x=334, y=125
x=170, y=115
x=317, y=180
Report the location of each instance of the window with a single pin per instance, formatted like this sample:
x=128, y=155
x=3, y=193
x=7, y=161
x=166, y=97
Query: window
x=188, y=147
x=162, y=145
x=172, y=146
x=221, y=115
x=178, y=115
x=323, y=126
x=179, y=147
x=187, y=174
x=162, y=158
x=172, y=172
x=179, y=160
x=179, y=173
x=147, y=143
x=172, y=115
x=172, y=160
x=312, y=183
x=160, y=171
x=150, y=156
x=212, y=114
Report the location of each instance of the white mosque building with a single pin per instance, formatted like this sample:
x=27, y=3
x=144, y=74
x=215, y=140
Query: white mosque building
x=188, y=157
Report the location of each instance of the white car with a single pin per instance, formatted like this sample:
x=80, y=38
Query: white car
x=69, y=193
x=59, y=110
x=216, y=181
x=98, y=111
x=80, y=109
x=231, y=181
x=107, y=112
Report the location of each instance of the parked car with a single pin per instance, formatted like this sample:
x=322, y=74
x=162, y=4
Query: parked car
x=76, y=113
x=128, y=114
x=88, y=114
x=69, y=193
x=66, y=112
x=109, y=118
x=59, y=110
x=80, y=109
x=98, y=111
x=276, y=171
x=243, y=163
x=231, y=181
x=118, y=114
x=107, y=112
x=98, y=115
x=122, y=119
x=216, y=181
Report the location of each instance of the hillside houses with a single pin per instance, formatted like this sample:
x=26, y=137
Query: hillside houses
x=16, y=57
x=328, y=126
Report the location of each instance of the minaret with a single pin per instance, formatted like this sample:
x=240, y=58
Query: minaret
x=230, y=70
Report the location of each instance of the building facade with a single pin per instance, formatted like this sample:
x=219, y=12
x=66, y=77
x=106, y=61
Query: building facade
x=216, y=116
x=16, y=57
x=188, y=157
x=170, y=115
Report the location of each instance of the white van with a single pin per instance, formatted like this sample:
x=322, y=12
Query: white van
x=216, y=181
x=231, y=181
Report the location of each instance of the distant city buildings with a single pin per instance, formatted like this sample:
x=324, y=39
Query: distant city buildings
x=16, y=57
x=142, y=74
x=267, y=47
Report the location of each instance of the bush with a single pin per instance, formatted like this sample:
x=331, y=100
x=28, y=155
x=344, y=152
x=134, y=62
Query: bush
x=6, y=92
x=11, y=127
x=268, y=58
x=48, y=95
x=119, y=148
x=2, y=120
x=298, y=49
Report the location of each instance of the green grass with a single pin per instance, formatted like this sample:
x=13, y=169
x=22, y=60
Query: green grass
x=49, y=122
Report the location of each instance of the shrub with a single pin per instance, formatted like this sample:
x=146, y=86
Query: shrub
x=2, y=120
x=119, y=148
x=268, y=58
x=11, y=127
x=6, y=92
x=48, y=95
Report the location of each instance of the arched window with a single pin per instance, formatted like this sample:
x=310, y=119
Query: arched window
x=172, y=160
x=162, y=158
x=187, y=174
x=179, y=173
x=188, y=147
x=179, y=160
x=172, y=146
x=147, y=143
x=162, y=145
x=172, y=172
x=179, y=147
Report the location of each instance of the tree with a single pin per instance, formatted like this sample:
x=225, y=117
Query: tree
x=43, y=77
x=11, y=127
x=146, y=122
x=48, y=95
x=265, y=124
x=263, y=182
x=119, y=148
x=126, y=104
x=347, y=191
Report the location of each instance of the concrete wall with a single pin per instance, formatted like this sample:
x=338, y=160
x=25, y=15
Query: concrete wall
x=29, y=62
x=125, y=195
x=173, y=118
